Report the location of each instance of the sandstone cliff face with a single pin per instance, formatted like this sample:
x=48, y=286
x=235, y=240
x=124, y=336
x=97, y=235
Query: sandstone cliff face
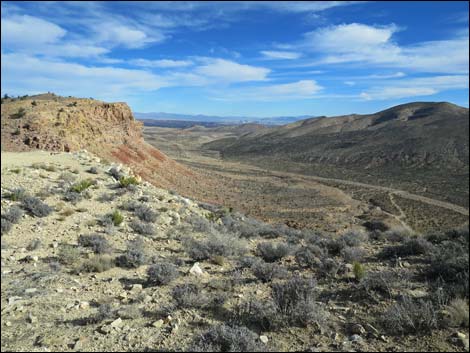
x=59, y=124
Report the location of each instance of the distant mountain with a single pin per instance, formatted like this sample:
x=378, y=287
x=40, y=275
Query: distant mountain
x=423, y=146
x=280, y=120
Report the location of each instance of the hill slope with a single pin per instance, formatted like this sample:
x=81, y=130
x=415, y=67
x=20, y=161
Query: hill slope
x=420, y=146
x=53, y=123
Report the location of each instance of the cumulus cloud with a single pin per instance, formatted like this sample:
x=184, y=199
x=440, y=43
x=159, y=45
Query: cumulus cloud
x=364, y=44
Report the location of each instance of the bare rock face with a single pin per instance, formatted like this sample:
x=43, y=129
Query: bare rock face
x=109, y=130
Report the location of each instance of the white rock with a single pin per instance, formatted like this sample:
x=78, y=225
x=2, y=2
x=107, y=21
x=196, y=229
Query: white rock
x=158, y=323
x=264, y=339
x=196, y=270
x=116, y=323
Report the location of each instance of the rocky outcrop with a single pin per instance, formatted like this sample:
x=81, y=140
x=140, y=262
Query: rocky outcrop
x=59, y=124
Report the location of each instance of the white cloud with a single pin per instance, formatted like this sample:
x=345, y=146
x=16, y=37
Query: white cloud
x=229, y=71
x=349, y=38
x=421, y=86
x=24, y=31
x=304, y=89
x=280, y=54
x=385, y=76
x=350, y=83
x=363, y=44
x=32, y=35
x=164, y=63
x=114, y=34
x=398, y=92
x=23, y=73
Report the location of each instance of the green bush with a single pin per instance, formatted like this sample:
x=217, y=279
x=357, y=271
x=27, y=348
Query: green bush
x=359, y=271
x=117, y=218
x=81, y=186
x=124, y=182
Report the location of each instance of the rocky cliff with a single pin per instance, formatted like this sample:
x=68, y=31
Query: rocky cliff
x=52, y=123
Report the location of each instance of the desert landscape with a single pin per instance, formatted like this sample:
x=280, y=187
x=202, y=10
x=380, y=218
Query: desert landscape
x=234, y=176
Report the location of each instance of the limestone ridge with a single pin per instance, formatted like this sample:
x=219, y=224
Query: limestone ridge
x=52, y=123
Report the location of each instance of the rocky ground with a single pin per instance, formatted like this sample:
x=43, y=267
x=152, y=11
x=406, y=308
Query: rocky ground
x=95, y=259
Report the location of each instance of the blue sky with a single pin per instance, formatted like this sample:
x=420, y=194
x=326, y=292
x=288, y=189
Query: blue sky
x=239, y=58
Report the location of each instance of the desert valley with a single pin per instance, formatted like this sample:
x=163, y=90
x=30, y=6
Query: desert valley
x=305, y=186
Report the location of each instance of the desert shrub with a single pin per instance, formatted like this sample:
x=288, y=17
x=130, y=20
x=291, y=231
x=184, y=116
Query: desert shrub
x=68, y=254
x=259, y=314
x=19, y=114
x=271, y=252
x=354, y=238
x=376, y=225
x=216, y=244
x=34, y=245
x=82, y=185
x=162, y=273
x=17, y=194
x=410, y=316
x=105, y=312
x=410, y=247
x=309, y=256
x=72, y=197
x=199, y=224
x=106, y=197
x=224, y=338
x=130, y=205
x=134, y=255
x=378, y=282
x=328, y=267
x=96, y=242
x=13, y=215
x=93, y=170
x=142, y=227
x=117, y=218
x=333, y=246
x=358, y=270
x=189, y=295
x=458, y=235
x=36, y=207
x=145, y=214
x=247, y=261
x=458, y=313
x=353, y=253
x=449, y=262
x=397, y=235
x=288, y=295
x=98, y=263
x=266, y=272
x=6, y=225
x=124, y=182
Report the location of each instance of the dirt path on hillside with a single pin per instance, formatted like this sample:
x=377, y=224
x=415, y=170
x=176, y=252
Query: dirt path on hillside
x=401, y=193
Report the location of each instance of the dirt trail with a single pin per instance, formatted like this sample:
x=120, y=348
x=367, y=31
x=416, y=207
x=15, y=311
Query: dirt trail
x=401, y=193
x=400, y=218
